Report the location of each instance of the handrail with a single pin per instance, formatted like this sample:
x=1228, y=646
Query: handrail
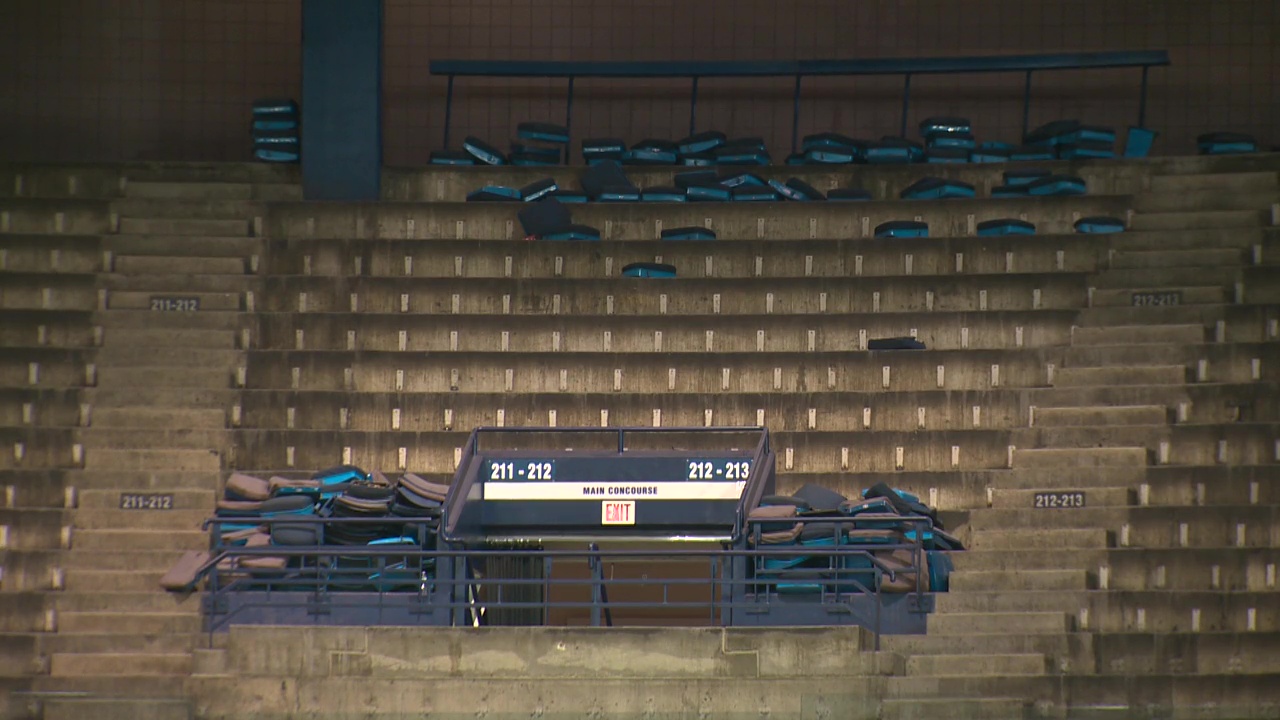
x=798, y=69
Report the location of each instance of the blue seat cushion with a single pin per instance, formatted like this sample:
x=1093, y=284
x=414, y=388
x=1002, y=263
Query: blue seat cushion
x=483, y=152
x=742, y=180
x=1226, y=143
x=490, y=193
x=753, y=193
x=274, y=106
x=808, y=191
x=595, y=146
x=1057, y=185
x=1009, y=191
x=1086, y=150
x=942, y=125
x=706, y=159
x=747, y=143
x=272, y=155
x=1138, y=142
x=619, y=193
x=275, y=138
x=710, y=192
x=1098, y=224
x=538, y=189
x=848, y=194
x=796, y=159
x=688, y=233
x=663, y=194
x=785, y=192
x=1022, y=178
x=736, y=155
x=985, y=155
x=649, y=270
x=543, y=132
x=340, y=474
x=819, y=497
x=702, y=142
x=902, y=229
x=829, y=156
x=932, y=188
x=1088, y=133
x=650, y=155
x=1005, y=226
x=960, y=140
x=830, y=140
x=685, y=180
x=452, y=157
x=942, y=155
x=1051, y=133
x=277, y=121
x=882, y=153
x=574, y=232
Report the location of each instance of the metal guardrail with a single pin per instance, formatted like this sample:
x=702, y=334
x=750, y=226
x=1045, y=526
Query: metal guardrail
x=799, y=69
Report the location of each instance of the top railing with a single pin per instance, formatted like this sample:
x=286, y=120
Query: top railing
x=798, y=69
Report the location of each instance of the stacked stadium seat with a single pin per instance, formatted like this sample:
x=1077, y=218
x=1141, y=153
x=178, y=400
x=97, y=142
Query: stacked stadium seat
x=276, y=131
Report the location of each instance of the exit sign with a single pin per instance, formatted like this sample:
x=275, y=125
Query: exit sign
x=618, y=512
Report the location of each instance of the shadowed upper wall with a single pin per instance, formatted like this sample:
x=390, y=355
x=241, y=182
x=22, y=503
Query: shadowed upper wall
x=173, y=79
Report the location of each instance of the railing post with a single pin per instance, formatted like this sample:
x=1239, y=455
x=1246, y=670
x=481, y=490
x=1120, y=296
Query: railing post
x=1142, y=98
x=1026, y=104
x=693, y=105
x=906, y=102
x=568, y=117
x=448, y=111
x=795, y=116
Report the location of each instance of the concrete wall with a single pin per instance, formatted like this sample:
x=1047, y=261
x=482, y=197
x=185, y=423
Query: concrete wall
x=173, y=79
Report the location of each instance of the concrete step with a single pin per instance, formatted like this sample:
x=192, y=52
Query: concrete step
x=112, y=686
x=195, y=208
x=1141, y=375
x=1001, y=665
x=190, y=339
x=1095, y=497
x=988, y=708
x=1115, y=476
x=999, y=623
x=271, y=192
x=1239, y=181
x=121, y=560
x=154, y=600
x=69, y=664
x=165, y=376
x=98, y=500
x=1160, y=315
x=116, y=642
x=179, y=245
x=105, y=437
x=129, y=319
x=1197, y=219
x=1138, y=335
x=1054, y=520
x=166, y=397
x=152, y=418
x=1196, y=258
x=185, y=226
x=174, y=266
x=1057, y=645
x=97, y=708
x=1212, y=238
x=113, y=540
x=1039, y=538
x=126, y=356
x=167, y=460
x=186, y=623
x=1204, y=199
x=963, y=581
x=109, y=519
x=141, y=300
x=1101, y=415
x=165, y=285
x=1021, y=560
x=1199, y=295
x=113, y=581
x=1164, y=277
x=1079, y=457
x=1017, y=601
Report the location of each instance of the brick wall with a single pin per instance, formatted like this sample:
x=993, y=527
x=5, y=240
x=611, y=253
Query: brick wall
x=172, y=79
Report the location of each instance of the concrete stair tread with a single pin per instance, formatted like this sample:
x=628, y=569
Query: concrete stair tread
x=1177, y=257
x=208, y=301
x=1079, y=457
x=143, y=336
x=987, y=708
x=1137, y=334
x=107, y=642
x=126, y=622
x=148, y=417
x=108, y=499
x=109, y=519
x=99, y=708
x=170, y=266
x=976, y=664
x=1100, y=415
x=1000, y=623
x=114, y=321
x=181, y=245
x=964, y=581
x=1189, y=295
x=1024, y=499
x=138, y=539
x=1039, y=537
x=184, y=226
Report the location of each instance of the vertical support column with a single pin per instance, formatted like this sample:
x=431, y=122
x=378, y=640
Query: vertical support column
x=341, y=99
x=1142, y=98
x=693, y=106
x=795, y=117
x=448, y=113
x=568, y=115
x=1026, y=104
x=906, y=103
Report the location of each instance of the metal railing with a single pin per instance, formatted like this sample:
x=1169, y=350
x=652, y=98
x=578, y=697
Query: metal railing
x=799, y=69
